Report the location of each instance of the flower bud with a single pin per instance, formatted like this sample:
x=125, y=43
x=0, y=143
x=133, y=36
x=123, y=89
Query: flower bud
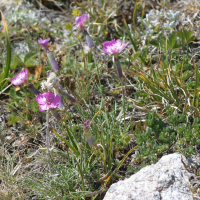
x=118, y=67
x=56, y=114
x=32, y=88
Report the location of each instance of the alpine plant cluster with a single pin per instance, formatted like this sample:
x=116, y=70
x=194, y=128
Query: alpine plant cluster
x=52, y=94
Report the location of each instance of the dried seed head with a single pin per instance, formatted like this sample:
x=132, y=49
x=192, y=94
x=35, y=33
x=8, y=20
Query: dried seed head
x=96, y=78
x=51, y=82
x=110, y=64
x=130, y=51
x=64, y=79
x=108, y=105
x=61, y=77
x=72, y=84
x=59, y=58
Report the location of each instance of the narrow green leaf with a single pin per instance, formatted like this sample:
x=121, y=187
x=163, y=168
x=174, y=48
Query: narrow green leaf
x=191, y=39
x=172, y=39
x=136, y=55
x=186, y=75
x=196, y=90
x=70, y=146
x=176, y=46
x=29, y=56
x=8, y=48
x=72, y=139
x=130, y=36
x=154, y=43
x=84, y=8
x=119, y=165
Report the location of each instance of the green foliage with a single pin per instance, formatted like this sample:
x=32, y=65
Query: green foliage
x=164, y=43
x=186, y=36
x=28, y=60
x=6, y=68
x=160, y=137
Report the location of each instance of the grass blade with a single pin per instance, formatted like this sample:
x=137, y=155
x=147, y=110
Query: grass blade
x=196, y=90
x=8, y=48
x=120, y=164
x=78, y=4
x=70, y=146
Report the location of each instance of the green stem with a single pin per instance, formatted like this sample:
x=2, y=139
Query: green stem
x=81, y=174
x=5, y=88
x=47, y=141
x=123, y=102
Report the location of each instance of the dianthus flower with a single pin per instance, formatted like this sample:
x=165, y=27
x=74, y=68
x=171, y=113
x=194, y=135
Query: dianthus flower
x=44, y=43
x=52, y=60
x=20, y=77
x=47, y=101
x=88, y=135
x=86, y=125
x=113, y=47
x=80, y=20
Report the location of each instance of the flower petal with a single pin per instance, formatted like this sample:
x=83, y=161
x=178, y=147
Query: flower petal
x=75, y=27
x=86, y=125
x=43, y=107
x=49, y=96
x=55, y=102
x=113, y=46
x=47, y=100
x=40, y=99
x=20, y=77
x=106, y=47
x=81, y=19
x=44, y=43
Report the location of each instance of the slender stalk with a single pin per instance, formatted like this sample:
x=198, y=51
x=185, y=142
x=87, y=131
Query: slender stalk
x=5, y=88
x=47, y=141
x=125, y=81
x=123, y=101
x=118, y=66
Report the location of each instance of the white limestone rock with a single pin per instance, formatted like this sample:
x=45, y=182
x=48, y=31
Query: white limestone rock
x=167, y=180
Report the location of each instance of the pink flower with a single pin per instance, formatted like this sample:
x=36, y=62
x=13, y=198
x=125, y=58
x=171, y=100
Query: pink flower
x=20, y=77
x=86, y=125
x=44, y=43
x=113, y=46
x=47, y=100
x=88, y=135
x=80, y=20
x=52, y=60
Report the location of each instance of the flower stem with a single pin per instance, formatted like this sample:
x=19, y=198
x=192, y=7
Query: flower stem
x=5, y=88
x=123, y=102
x=118, y=67
x=47, y=141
